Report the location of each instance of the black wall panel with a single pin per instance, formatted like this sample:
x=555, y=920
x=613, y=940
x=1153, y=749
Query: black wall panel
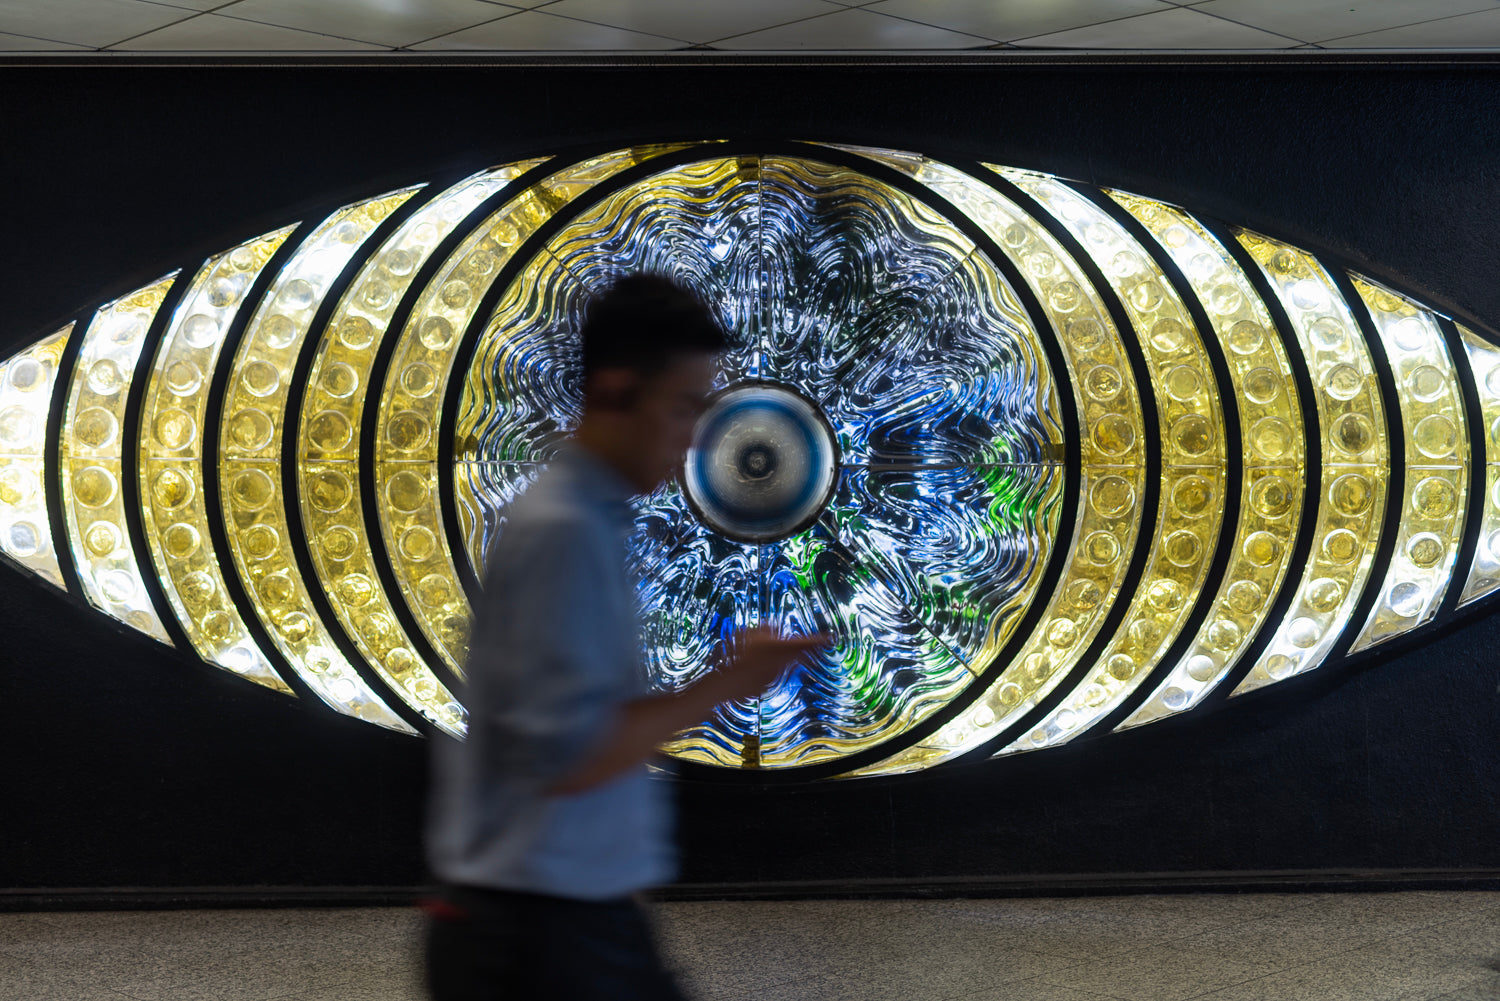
x=128, y=765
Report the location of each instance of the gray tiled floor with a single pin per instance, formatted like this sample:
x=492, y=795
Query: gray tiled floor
x=1246, y=947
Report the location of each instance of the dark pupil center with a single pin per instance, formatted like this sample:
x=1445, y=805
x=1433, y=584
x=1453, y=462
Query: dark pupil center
x=757, y=462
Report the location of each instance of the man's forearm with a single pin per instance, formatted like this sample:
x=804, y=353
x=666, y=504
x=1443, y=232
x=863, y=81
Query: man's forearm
x=640, y=726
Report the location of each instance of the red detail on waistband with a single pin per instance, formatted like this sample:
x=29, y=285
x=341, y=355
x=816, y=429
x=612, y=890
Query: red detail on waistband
x=441, y=910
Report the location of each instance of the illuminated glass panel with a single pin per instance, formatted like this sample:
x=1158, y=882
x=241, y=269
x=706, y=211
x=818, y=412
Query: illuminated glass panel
x=1356, y=463
x=173, y=504
x=1273, y=451
x=1484, y=573
x=866, y=301
x=411, y=402
x=1191, y=419
x=1111, y=480
x=333, y=409
x=1437, y=458
x=250, y=445
x=93, y=441
x=26, y=382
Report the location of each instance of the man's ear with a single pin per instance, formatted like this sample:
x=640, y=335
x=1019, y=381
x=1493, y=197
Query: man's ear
x=612, y=389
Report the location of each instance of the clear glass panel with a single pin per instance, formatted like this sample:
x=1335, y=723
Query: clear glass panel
x=1273, y=453
x=1106, y=529
x=1356, y=463
x=251, y=440
x=109, y=569
x=1484, y=573
x=1436, y=491
x=846, y=258
x=173, y=505
x=698, y=223
x=27, y=379
x=946, y=414
x=521, y=393
x=1191, y=418
x=884, y=671
x=411, y=401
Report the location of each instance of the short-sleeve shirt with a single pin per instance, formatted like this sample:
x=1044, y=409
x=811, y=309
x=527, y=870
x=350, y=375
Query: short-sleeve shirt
x=555, y=655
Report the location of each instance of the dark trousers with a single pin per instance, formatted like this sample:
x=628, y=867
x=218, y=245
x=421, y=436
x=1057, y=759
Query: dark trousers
x=491, y=944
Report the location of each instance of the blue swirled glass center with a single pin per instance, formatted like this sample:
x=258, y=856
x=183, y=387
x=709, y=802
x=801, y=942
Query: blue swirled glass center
x=915, y=368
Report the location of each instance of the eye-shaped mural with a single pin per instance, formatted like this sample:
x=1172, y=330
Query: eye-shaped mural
x=1044, y=459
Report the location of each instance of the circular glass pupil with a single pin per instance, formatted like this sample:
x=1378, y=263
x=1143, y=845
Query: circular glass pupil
x=757, y=461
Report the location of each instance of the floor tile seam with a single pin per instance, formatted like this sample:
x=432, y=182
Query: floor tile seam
x=1043, y=979
x=865, y=969
x=1042, y=954
x=1117, y=960
x=1038, y=980
x=1379, y=940
x=759, y=985
x=759, y=989
x=1162, y=941
x=238, y=956
x=304, y=992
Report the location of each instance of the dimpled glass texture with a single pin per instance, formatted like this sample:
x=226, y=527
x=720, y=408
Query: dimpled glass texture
x=1099, y=461
x=27, y=380
x=92, y=460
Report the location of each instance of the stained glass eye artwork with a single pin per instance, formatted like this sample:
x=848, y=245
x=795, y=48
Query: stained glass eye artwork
x=1043, y=459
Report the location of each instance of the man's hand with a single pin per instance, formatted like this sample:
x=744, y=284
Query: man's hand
x=757, y=657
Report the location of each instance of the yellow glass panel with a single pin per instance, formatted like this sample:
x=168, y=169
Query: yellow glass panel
x=173, y=504
x=1356, y=463
x=411, y=401
x=109, y=571
x=1484, y=573
x=1436, y=491
x=1106, y=526
x=26, y=382
x=328, y=457
x=250, y=445
x=1191, y=420
x=1273, y=456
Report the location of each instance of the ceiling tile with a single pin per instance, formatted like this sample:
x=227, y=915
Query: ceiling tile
x=853, y=30
x=1169, y=29
x=1016, y=18
x=20, y=43
x=534, y=31
x=1317, y=20
x=1467, y=31
x=384, y=22
x=199, y=5
x=215, y=33
x=93, y=23
x=692, y=20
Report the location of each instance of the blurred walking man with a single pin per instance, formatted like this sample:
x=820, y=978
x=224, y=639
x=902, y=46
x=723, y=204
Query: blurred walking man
x=544, y=823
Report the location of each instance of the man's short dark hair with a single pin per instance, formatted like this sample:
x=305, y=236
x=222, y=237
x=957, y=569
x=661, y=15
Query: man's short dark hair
x=644, y=322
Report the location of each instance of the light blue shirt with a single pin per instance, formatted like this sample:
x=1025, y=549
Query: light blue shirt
x=555, y=654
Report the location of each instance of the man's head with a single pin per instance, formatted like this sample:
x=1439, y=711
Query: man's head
x=649, y=353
